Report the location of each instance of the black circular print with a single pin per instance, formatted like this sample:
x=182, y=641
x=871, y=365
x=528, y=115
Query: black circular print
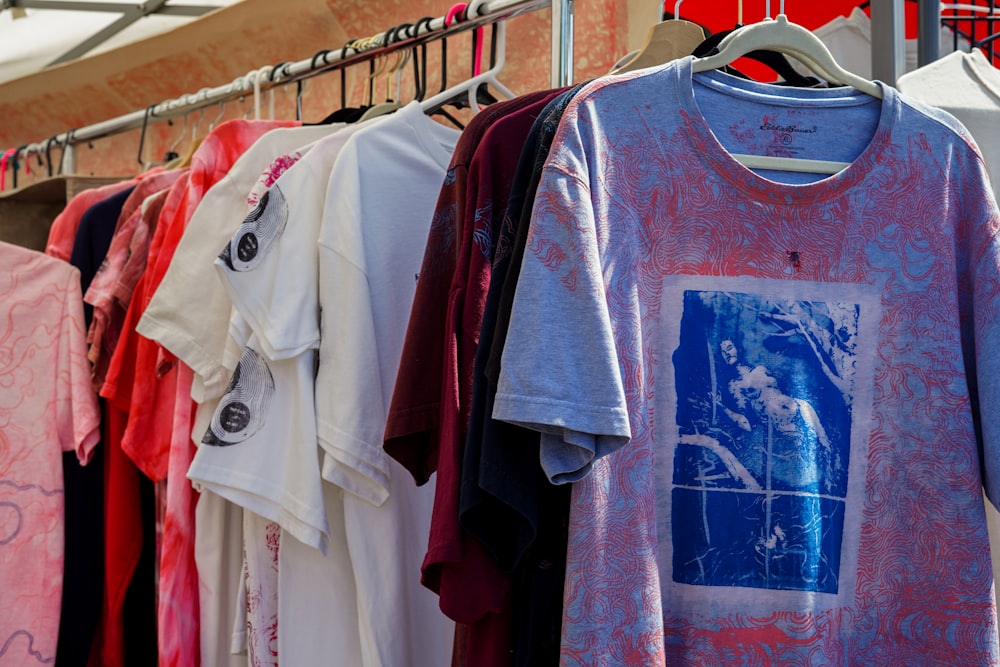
x=246, y=250
x=234, y=417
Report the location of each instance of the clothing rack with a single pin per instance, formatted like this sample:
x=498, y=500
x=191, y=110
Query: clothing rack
x=967, y=26
x=478, y=13
x=888, y=35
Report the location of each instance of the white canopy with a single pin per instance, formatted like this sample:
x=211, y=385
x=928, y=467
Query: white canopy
x=37, y=33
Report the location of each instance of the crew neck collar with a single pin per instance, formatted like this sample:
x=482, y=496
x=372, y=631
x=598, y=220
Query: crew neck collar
x=720, y=161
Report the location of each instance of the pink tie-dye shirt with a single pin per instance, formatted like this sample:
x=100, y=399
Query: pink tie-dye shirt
x=47, y=406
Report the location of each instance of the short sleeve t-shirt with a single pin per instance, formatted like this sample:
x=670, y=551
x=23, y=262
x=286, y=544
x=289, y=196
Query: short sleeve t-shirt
x=280, y=484
x=768, y=387
x=378, y=211
x=47, y=406
x=252, y=473
x=198, y=338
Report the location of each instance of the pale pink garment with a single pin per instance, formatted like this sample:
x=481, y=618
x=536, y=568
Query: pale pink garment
x=47, y=406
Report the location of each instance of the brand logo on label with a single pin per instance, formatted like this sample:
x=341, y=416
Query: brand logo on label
x=792, y=129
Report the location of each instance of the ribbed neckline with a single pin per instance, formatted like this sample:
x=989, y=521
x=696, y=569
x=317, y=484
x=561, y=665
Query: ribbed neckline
x=720, y=161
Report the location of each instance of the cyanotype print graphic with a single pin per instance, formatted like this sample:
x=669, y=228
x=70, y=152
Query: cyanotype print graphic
x=764, y=400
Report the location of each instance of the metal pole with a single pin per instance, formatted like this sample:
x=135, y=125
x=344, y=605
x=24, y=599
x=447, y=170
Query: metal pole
x=929, y=37
x=490, y=12
x=888, y=40
x=562, y=43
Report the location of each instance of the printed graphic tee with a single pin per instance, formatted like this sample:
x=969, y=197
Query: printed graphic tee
x=767, y=384
x=198, y=337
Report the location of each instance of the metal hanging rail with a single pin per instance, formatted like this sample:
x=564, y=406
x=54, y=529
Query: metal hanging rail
x=269, y=77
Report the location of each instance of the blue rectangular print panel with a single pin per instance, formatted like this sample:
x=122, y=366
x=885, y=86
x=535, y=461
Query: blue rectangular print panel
x=764, y=397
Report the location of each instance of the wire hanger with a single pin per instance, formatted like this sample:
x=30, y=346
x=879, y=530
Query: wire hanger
x=780, y=35
x=666, y=41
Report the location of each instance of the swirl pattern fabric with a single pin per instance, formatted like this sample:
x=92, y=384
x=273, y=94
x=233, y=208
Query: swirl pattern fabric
x=803, y=366
x=46, y=407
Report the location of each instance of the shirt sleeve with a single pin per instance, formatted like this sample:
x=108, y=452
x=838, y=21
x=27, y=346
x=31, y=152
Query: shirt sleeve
x=560, y=371
x=981, y=328
x=269, y=267
x=78, y=415
x=350, y=405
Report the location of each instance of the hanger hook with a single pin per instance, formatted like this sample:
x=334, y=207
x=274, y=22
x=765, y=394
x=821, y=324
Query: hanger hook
x=180, y=136
x=222, y=111
x=677, y=8
x=142, y=135
x=454, y=14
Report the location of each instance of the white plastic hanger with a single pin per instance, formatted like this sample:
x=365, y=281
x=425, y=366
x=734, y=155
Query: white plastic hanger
x=666, y=41
x=489, y=76
x=780, y=35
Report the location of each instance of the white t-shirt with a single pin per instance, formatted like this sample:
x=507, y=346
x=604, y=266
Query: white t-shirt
x=271, y=254
x=198, y=336
x=275, y=244
x=849, y=39
x=379, y=207
x=967, y=86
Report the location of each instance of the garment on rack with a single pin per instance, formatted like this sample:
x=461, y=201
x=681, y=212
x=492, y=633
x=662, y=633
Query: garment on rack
x=513, y=493
x=198, y=338
x=250, y=475
x=762, y=346
x=46, y=408
x=967, y=86
x=284, y=485
x=380, y=202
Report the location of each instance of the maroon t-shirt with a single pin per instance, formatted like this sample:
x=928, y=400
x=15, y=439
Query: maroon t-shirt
x=429, y=412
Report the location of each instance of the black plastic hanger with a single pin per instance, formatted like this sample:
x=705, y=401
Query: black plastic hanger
x=344, y=114
x=440, y=111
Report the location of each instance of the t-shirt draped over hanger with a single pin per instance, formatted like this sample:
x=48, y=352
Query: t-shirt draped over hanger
x=763, y=348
